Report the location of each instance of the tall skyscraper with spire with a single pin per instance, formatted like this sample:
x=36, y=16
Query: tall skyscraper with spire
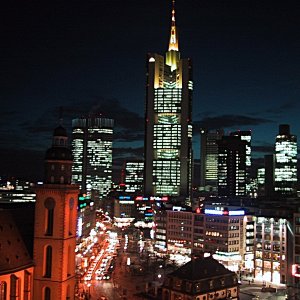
x=168, y=121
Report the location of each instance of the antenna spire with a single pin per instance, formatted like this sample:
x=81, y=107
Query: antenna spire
x=173, y=44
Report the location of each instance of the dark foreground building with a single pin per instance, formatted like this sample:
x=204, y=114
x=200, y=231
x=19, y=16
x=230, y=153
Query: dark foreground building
x=16, y=264
x=201, y=279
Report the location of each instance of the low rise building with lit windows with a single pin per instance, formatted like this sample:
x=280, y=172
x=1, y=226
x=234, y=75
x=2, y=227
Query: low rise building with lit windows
x=248, y=258
x=198, y=233
x=17, y=191
x=124, y=207
x=160, y=229
x=225, y=230
x=276, y=240
x=201, y=279
x=179, y=230
x=271, y=249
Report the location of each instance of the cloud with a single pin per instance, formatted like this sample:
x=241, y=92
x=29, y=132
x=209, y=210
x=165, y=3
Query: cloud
x=128, y=153
x=45, y=122
x=128, y=136
x=129, y=126
x=277, y=111
x=229, y=121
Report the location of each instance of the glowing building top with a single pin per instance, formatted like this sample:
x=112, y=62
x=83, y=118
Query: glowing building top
x=173, y=44
x=173, y=54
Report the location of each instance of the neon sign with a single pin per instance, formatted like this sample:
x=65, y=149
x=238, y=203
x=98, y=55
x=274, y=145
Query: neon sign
x=224, y=212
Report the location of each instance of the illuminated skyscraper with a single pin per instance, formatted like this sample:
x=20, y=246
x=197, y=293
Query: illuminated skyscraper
x=285, y=167
x=209, y=159
x=92, y=154
x=134, y=177
x=168, y=122
x=231, y=166
x=245, y=135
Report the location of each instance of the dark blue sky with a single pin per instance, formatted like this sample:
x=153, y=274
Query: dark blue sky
x=89, y=56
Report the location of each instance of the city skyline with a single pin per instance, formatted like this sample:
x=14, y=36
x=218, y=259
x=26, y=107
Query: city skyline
x=60, y=56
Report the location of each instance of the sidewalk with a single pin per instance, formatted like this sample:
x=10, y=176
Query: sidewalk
x=255, y=289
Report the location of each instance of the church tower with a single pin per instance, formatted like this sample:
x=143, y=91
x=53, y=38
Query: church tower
x=55, y=224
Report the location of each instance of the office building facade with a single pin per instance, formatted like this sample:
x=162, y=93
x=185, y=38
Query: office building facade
x=168, y=122
x=92, y=154
x=209, y=159
x=246, y=135
x=134, y=176
x=285, y=165
x=231, y=166
x=271, y=249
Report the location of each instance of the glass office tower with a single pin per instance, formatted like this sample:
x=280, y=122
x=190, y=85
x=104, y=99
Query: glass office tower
x=209, y=159
x=285, y=168
x=246, y=135
x=231, y=166
x=134, y=176
x=168, y=122
x=92, y=154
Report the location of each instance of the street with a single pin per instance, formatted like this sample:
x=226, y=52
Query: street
x=117, y=265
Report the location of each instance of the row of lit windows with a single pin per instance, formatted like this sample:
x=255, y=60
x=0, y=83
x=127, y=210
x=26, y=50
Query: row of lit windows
x=168, y=119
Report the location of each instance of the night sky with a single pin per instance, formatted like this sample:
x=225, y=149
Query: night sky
x=90, y=57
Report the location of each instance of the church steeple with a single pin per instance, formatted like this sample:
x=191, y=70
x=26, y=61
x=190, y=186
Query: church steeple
x=173, y=54
x=58, y=159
